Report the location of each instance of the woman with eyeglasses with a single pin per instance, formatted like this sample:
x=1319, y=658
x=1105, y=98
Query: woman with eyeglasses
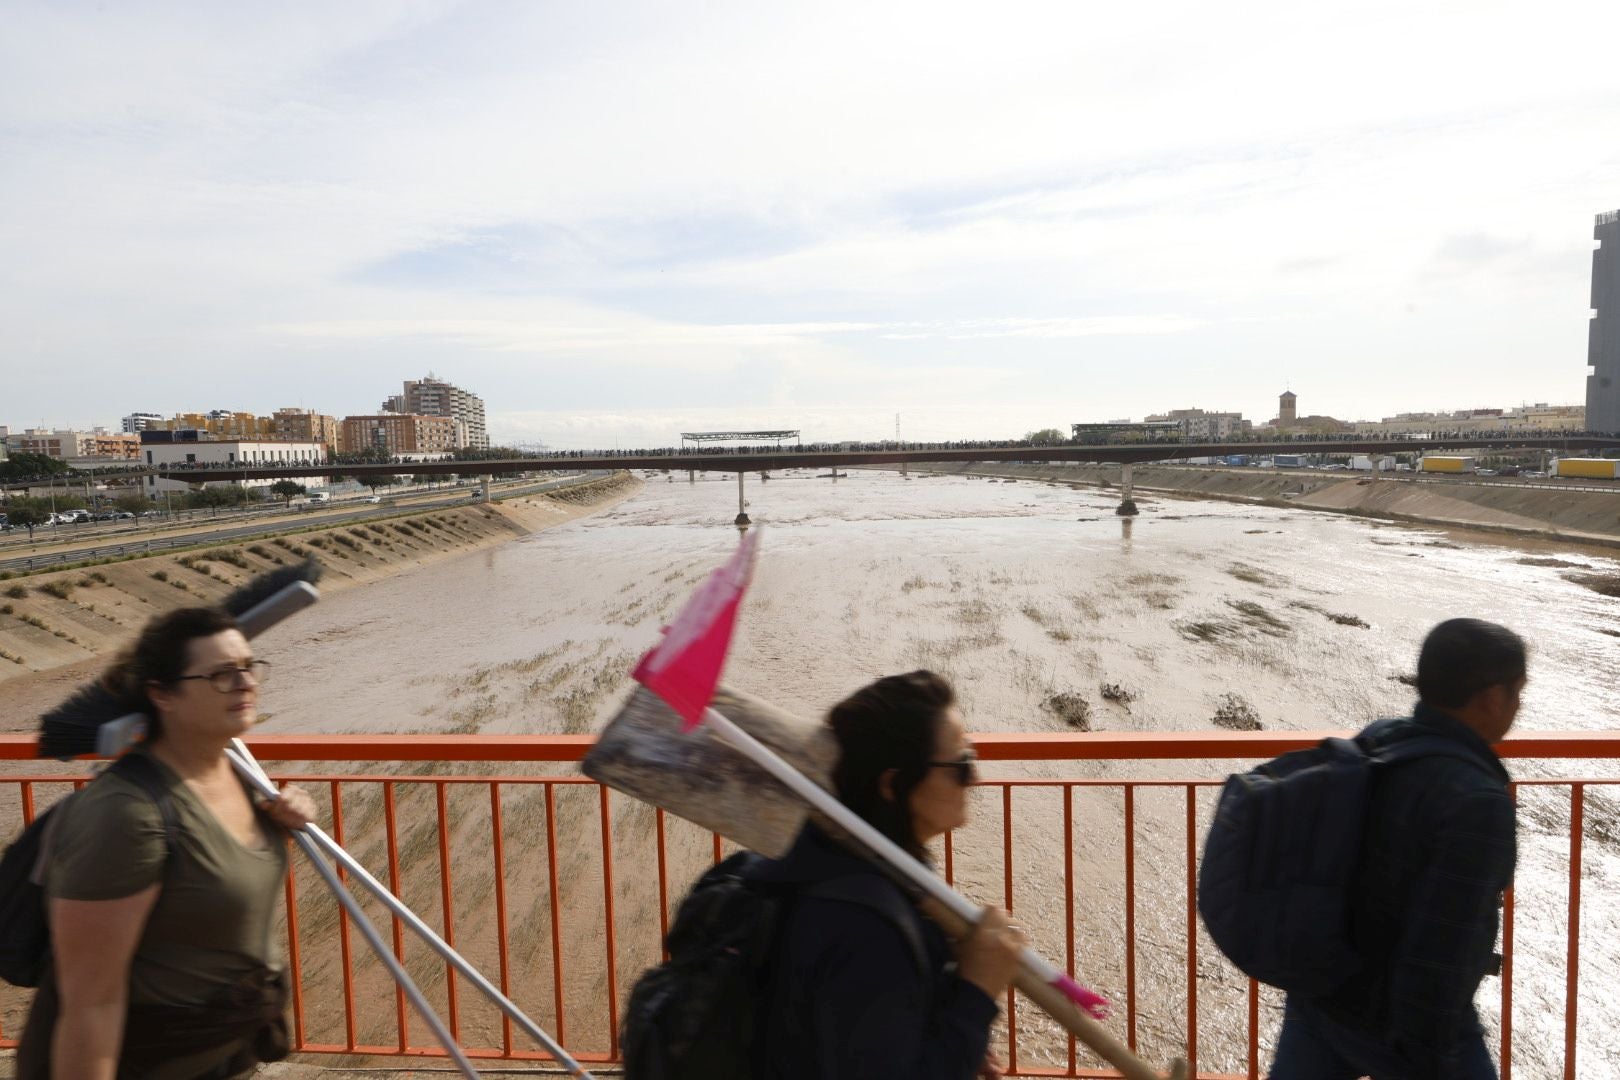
x=861, y=984
x=162, y=881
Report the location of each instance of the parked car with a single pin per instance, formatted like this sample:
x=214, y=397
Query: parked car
x=1484, y=472
x=374, y=498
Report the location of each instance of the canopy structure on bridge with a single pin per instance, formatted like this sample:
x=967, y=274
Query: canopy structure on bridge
x=1123, y=431
x=703, y=437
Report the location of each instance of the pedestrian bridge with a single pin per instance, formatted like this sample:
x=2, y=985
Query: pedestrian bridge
x=764, y=459
x=560, y=890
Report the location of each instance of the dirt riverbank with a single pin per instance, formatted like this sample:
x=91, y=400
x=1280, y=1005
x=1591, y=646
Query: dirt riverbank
x=1581, y=516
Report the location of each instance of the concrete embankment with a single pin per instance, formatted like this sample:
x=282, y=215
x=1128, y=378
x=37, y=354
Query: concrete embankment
x=1589, y=517
x=66, y=618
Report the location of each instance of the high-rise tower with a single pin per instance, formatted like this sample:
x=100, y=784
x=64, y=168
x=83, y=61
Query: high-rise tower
x=1603, y=334
x=435, y=397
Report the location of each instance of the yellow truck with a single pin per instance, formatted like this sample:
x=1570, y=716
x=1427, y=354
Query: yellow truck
x=1589, y=468
x=1446, y=463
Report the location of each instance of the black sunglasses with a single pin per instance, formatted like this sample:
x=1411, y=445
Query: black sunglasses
x=966, y=773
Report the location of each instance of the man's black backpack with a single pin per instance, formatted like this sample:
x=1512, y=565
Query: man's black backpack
x=25, y=936
x=1280, y=863
x=694, y=1016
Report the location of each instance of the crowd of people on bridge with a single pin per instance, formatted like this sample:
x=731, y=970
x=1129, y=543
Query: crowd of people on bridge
x=1485, y=438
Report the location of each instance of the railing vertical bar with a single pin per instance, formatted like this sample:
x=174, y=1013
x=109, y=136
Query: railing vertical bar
x=402, y=1016
x=718, y=852
x=27, y=795
x=1068, y=902
x=1572, y=965
x=447, y=894
x=663, y=884
x=1506, y=1069
x=1192, y=929
x=612, y=940
x=1130, y=915
x=295, y=969
x=950, y=867
x=1007, y=899
x=343, y=923
x=1254, y=1030
x=556, y=913
x=497, y=827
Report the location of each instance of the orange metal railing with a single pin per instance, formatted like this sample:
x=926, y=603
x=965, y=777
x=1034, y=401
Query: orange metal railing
x=567, y=931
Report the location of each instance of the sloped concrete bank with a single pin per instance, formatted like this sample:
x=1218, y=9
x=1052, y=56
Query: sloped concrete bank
x=64, y=618
x=1588, y=517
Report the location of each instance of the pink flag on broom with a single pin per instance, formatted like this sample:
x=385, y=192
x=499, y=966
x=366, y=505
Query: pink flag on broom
x=684, y=668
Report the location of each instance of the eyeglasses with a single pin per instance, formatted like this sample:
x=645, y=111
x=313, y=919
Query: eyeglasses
x=225, y=679
x=966, y=773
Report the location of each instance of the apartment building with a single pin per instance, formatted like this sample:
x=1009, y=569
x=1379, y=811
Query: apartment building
x=399, y=434
x=305, y=425
x=75, y=446
x=435, y=397
x=1198, y=424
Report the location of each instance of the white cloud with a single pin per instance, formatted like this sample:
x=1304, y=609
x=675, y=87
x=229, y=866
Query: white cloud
x=801, y=205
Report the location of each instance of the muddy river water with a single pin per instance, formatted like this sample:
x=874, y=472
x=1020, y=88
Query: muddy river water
x=1031, y=597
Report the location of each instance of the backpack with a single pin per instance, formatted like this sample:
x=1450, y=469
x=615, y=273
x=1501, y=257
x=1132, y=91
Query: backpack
x=694, y=1015
x=25, y=935
x=1283, y=854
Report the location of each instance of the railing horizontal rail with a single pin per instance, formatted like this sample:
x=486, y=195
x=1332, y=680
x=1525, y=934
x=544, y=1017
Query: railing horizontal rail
x=991, y=746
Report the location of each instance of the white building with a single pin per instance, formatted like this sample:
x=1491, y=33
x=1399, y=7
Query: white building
x=1197, y=425
x=258, y=454
x=137, y=422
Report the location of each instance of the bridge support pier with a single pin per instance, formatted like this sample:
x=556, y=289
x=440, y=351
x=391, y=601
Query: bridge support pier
x=691, y=476
x=742, y=512
x=484, y=486
x=1127, y=505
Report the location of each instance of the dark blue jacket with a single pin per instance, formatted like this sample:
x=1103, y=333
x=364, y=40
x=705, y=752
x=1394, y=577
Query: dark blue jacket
x=848, y=1000
x=1439, y=851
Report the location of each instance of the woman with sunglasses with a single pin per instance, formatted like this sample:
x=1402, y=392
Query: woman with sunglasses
x=162, y=881
x=861, y=985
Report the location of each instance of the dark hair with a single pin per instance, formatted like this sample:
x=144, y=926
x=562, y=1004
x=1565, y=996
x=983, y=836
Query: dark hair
x=160, y=655
x=1461, y=657
x=890, y=724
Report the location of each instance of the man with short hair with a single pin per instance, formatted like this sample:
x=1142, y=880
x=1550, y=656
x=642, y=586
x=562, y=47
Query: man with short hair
x=1439, y=851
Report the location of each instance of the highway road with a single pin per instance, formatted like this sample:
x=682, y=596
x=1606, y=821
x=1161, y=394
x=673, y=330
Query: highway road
x=150, y=544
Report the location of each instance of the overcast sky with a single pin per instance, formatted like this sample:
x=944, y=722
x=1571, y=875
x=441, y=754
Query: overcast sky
x=615, y=221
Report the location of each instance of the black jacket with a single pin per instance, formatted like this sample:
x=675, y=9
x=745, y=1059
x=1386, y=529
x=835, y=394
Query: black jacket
x=1439, y=851
x=848, y=1000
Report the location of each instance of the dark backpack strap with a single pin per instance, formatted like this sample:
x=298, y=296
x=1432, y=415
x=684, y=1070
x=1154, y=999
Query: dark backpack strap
x=139, y=770
x=879, y=895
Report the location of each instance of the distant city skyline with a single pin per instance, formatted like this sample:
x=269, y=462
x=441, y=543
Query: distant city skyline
x=615, y=221
x=652, y=428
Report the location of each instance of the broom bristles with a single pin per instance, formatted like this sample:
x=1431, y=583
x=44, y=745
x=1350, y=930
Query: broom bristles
x=265, y=586
x=71, y=728
x=80, y=725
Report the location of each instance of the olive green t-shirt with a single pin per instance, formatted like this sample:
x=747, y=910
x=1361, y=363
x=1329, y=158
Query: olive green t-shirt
x=214, y=920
